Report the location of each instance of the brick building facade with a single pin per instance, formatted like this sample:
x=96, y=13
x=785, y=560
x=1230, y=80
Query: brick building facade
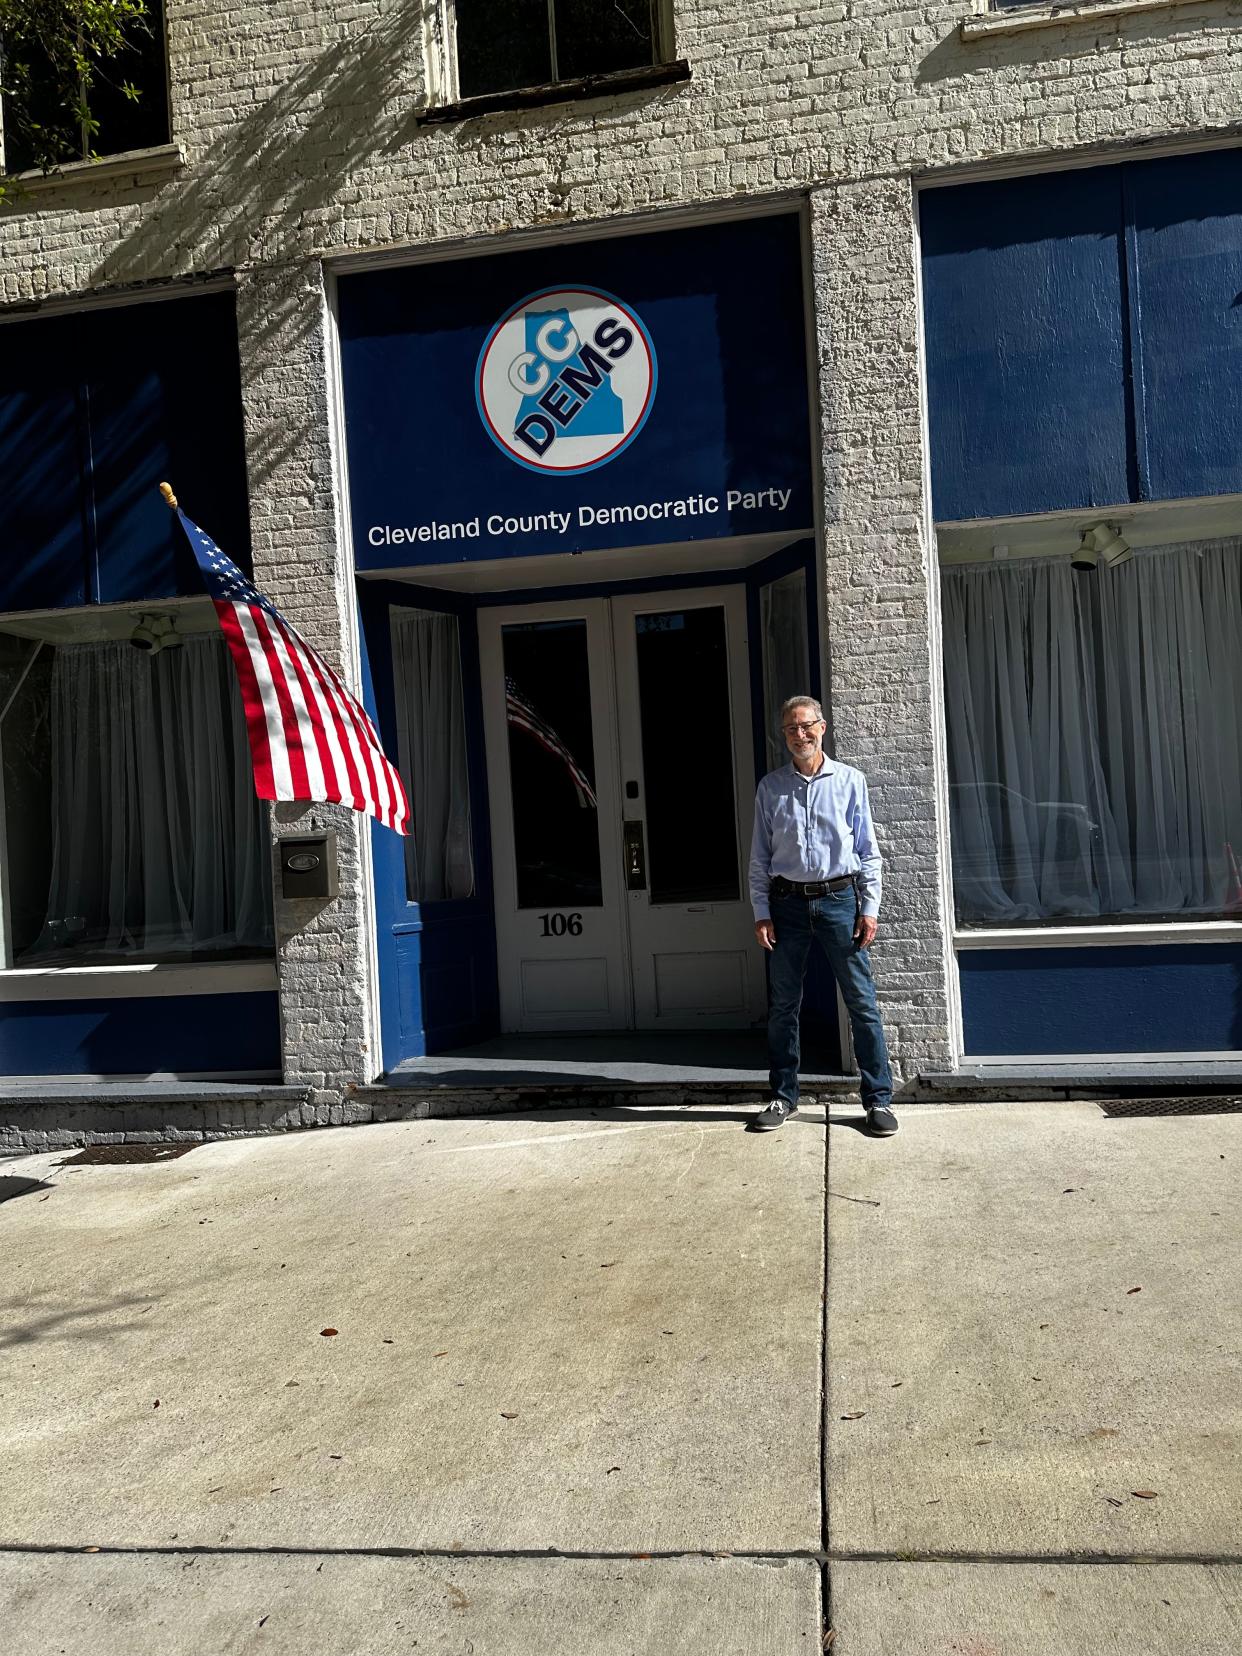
x=314, y=146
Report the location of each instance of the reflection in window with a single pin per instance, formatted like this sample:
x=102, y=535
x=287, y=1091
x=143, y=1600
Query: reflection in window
x=1095, y=737
x=431, y=736
x=682, y=662
x=131, y=827
x=552, y=765
x=786, y=656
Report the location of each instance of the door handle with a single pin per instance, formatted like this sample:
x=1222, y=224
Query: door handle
x=635, y=856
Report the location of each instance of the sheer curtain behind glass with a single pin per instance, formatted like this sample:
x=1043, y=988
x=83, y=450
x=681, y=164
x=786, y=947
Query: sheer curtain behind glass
x=786, y=654
x=431, y=735
x=1095, y=736
x=159, y=845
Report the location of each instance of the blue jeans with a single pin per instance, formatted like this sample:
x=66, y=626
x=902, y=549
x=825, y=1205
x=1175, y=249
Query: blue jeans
x=828, y=921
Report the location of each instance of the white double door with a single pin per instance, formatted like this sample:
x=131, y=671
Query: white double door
x=621, y=782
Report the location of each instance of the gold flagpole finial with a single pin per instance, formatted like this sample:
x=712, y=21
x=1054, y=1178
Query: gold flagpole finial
x=169, y=496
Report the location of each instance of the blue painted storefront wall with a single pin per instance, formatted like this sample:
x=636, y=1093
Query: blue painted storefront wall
x=1084, y=349
x=1084, y=337
x=730, y=410
x=723, y=307
x=97, y=408
x=174, y=1033
x=1180, y=998
x=1185, y=219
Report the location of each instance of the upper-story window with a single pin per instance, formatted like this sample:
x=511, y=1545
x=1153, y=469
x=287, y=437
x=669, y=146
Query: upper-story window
x=498, y=46
x=53, y=114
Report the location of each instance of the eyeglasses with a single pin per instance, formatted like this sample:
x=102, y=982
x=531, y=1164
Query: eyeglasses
x=802, y=729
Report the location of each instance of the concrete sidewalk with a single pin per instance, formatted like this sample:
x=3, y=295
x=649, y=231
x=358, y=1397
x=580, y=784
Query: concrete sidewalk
x=574, y=1397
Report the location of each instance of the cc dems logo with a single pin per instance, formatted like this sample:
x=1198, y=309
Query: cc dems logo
x=566, y=380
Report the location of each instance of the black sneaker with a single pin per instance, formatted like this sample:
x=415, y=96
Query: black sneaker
x=881, y=1121
x=775, y=1115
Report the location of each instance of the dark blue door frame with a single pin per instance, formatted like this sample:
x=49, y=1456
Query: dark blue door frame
x=437, y=961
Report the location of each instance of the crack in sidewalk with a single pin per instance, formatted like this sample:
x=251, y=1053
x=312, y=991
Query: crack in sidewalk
x=774, y=1556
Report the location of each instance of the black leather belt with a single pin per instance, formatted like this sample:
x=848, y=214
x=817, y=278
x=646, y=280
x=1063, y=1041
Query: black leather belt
x=781, y=887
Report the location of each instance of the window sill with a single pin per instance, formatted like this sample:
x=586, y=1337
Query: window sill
x=556, y=92
x=138, y=982
x=1012, y=20
x=164, y=158
x=1102, y=937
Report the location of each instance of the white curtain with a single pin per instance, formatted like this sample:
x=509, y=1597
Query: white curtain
x=786, y=655
x=1095, y=736
x=431, y=737
x=159, y=845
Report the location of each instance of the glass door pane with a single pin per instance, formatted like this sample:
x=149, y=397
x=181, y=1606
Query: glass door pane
x=683, y=667
x=552, y=765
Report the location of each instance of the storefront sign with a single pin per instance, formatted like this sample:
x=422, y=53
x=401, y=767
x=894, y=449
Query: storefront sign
x=584, y=396
x=566, y=380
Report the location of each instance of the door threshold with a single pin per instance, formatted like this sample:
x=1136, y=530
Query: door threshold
x=698, y=1058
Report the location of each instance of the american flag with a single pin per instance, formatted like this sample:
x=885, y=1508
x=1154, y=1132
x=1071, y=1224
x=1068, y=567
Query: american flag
x=521, y=714
x=309, y=738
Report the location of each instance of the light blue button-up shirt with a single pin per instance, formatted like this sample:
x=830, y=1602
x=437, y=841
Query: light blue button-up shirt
x=814, y=828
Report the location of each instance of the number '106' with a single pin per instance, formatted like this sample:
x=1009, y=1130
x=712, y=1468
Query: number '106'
x=558, y=925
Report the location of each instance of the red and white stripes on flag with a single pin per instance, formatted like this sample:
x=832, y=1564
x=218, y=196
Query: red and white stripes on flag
x=309, y=738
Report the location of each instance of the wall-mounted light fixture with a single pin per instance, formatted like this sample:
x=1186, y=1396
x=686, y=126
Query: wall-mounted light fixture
x=1101, y=542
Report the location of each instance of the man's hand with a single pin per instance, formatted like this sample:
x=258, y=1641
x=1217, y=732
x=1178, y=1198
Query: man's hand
x=865, y=930
x=765, y=934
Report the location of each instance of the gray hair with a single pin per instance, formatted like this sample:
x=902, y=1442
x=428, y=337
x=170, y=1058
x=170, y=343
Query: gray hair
x=800, y=701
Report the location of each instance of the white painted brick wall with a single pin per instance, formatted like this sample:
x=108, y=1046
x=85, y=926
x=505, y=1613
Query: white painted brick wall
x=297, y=123
x=877, y=558
x=296, y=118
x=324, y=951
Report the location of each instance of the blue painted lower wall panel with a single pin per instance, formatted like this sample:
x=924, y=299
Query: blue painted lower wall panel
x=176, y=1033
x=1128, y=999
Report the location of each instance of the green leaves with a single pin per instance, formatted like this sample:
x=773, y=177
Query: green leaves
x=54, y=54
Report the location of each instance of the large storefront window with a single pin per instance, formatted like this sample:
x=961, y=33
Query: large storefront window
x=131, y=827
x=1095, y=737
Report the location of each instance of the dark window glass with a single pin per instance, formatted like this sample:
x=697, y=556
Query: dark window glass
x=687, y=771
x=27, y=799
x=131, y=826
x=505, y=44
x=1095, y=737
x=552, y=765
x=44, y=103
x=594, y=37
x=124, y=123
x=501, y=45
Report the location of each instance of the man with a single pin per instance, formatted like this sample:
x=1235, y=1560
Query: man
x=815, y=878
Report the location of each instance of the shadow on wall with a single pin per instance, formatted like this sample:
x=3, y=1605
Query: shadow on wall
x=286, y=158
x=1077, y=46
x=253, y=188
